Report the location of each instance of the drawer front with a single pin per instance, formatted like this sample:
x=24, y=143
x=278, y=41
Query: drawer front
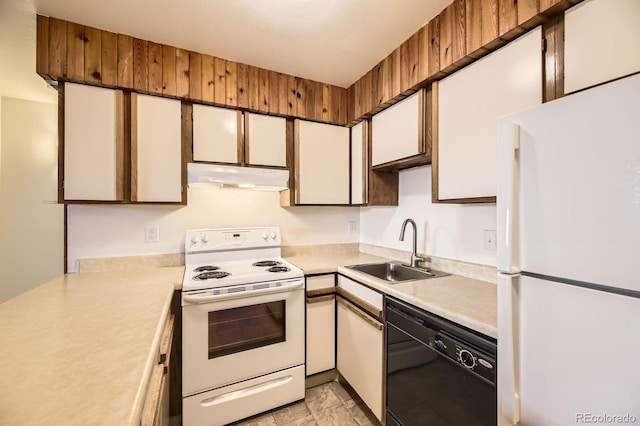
x=321, y=281
x=362, y=292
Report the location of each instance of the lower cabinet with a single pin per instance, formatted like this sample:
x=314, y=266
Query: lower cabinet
x=155, y=411
x=321, y=324
x=360, y=354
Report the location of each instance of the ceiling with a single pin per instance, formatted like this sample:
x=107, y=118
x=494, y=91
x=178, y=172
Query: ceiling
x=332, y=41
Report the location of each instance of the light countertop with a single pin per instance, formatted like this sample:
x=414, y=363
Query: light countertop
x=79, y=349
x=466, y=301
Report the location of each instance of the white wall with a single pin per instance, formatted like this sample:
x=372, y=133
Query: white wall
x=444, y=230
x=105, y=231
x=31, y=223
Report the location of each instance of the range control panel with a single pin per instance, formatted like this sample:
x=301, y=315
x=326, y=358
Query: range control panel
x=223, y=239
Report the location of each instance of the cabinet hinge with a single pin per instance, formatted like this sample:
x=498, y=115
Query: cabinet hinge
x=544, y=44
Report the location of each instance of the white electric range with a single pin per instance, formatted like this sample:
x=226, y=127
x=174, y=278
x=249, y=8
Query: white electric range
x=242, y=325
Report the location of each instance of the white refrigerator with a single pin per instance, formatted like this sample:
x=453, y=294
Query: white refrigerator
x=569, y=260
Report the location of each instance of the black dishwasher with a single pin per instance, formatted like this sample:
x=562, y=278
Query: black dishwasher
x=438, y=373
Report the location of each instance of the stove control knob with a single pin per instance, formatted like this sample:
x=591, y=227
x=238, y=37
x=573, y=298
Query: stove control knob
x=440, y=345
x=272, y=235
x=264, y=236
x=205, y=238
x=195, y=239
x=466, y=358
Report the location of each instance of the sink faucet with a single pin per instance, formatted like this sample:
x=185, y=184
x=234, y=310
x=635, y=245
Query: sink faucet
x=414, y=255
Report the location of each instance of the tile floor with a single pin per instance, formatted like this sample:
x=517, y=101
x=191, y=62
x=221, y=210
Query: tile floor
x=325, y=405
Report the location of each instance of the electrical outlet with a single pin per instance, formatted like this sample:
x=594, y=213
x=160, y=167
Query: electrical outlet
x=151, y=234
x=352, y=227
x=490, y=240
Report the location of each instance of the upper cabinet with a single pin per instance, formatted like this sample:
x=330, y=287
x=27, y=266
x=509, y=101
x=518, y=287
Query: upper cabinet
x=265, y=140
x=602, y=42
x=398, y=134
x=470, y=103
x=217, y=135
x=321, y=164
x=156, y=149
x=92, y=144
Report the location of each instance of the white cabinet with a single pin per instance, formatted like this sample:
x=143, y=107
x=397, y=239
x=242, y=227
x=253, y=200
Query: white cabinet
x=265, y=140
x=470, y=103
x=602, y=42
x=321, y=163
x=156, y=149
x=321, y=338
x=360, y=354
x=93, y=143
x=358, y=163
x=217, y=136
x=398, y=132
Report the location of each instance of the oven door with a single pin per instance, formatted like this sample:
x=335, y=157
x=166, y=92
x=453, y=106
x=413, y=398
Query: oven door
x=236, y=336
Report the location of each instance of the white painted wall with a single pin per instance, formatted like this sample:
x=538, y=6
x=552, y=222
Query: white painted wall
x=105, y=231
x=444, y=230
x=31, y=221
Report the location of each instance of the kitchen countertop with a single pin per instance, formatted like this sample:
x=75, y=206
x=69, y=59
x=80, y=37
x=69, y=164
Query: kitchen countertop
x=79, y=349
x=466, y=301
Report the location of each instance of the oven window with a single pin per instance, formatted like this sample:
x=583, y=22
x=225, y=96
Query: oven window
x=247, y=327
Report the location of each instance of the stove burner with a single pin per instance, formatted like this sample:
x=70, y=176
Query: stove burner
x=278, y=269
x=267, y=263
x=205, y=268
x=211, y=275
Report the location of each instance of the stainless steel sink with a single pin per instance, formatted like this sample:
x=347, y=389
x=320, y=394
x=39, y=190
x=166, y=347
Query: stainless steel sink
x=394, y=272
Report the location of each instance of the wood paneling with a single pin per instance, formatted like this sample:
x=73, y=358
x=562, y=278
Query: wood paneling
x=57, y=48
x=327, y=102
x=231, y=83
x=140, y=65
x=526, y=10
x=243, y=86
x=357, y=96
x=75, y=52
x=423, y=53
x=458, y=32
x=387, y=90
x=301, y=98
x=109, y=58
x=394, y=73
x=169, y=87
x=182, y=73
x=253, y=82
x=283, y=94
x=318, y=92
x=434, y=48
x=408, y=64
x=473, y=25
x=195, y=76
x=155, y=68
x=125, y=61
x=310, y=96
x=489, y=20
x=292, y=96
x=42, y=40
x=274, y=92
x=92, y=55
x=263, y=90
x=507, y=16
x=220, y=83
x=207, y=80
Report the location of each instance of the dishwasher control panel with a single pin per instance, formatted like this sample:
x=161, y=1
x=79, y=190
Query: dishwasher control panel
x=468, y=356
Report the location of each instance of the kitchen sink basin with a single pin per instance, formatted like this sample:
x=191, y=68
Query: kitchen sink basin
x=394, y=272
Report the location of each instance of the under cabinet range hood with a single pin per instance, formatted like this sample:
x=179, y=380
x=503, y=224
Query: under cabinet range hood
x=201, y=175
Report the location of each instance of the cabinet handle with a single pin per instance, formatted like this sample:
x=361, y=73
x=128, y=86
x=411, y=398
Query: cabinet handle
x=319, y=299
x=167, y=339
x=353, y=308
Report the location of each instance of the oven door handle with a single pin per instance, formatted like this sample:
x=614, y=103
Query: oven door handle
x=208, y=296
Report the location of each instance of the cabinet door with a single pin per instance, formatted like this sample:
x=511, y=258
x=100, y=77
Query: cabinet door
x=93, y=143
x=398, y=131
x=156, y=149
x=321, y=326
x=358, y=164
x=265, y=140
x=360, y=349
x=217, y=136
x=322, y=163
x=470, y=103
x=602, y=42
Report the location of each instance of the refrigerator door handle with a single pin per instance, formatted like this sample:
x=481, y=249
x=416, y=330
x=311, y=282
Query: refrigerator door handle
x=508, y=351
x=508, y=191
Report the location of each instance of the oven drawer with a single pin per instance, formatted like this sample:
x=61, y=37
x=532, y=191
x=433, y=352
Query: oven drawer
x=230, y=403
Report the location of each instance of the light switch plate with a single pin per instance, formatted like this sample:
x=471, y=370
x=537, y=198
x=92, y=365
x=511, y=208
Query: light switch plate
x=490, y=240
